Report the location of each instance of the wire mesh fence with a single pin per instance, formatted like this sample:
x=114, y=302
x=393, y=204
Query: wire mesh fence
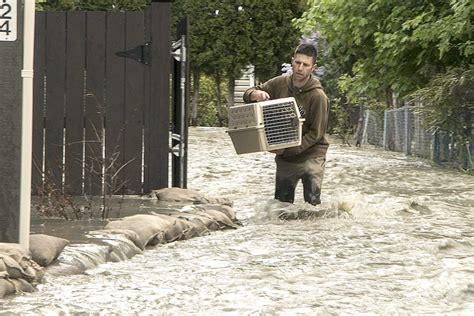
x=373, y=128
x=402, y=130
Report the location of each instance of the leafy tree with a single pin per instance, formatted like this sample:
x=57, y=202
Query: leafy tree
x=273, y=35
x=231, y=47
x=204, y=29
x=377, y=47
x=399, y=46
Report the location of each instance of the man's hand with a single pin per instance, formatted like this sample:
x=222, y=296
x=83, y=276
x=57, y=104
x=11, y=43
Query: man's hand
x=277, y=151
x=259, y=95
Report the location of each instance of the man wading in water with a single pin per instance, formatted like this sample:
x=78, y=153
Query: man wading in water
x=305, y=162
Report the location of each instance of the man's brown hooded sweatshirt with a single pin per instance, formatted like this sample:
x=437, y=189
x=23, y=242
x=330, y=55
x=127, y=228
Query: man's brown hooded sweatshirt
x=314, y=107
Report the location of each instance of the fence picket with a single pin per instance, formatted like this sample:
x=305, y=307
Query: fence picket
x=115, y=102
x=38, y=102
x=55, y=91
x=75, y=65
x=134, y=101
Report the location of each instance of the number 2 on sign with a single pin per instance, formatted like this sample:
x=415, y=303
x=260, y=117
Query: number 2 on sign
x=8, y=20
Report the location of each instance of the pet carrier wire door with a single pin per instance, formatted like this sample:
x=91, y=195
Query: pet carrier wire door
x=265, y=126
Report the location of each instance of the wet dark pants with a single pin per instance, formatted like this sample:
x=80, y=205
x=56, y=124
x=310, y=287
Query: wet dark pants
x=288, y=174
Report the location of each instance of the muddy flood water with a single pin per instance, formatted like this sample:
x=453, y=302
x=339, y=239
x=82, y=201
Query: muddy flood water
x=394, y=235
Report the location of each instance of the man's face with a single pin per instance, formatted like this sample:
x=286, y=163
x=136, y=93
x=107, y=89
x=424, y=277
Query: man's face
x=303, y=65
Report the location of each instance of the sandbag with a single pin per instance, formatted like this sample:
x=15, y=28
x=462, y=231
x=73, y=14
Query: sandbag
x=227, y=210
x=12, y=286
x=11, y=267
x=198, y=218
x=187, y=195
x=21, y=268
x=13, y=249
x=198, y=227
x=121, y=246
x=178, y=228
x=16, y=265
x=45, y=249
x=174, y=230
x=130, y=234
x=149, y=228
x=219, y=217
x=32, y=268
x=22, y=286
x=6, y=287
x=171, y=230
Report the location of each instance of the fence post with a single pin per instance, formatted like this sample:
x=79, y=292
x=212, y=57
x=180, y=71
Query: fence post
x=385, y=130
x=407, y=148
x=365, y=137
x=436, y=148
x=466, y=157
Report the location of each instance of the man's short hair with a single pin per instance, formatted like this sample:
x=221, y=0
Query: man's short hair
x=308, y=50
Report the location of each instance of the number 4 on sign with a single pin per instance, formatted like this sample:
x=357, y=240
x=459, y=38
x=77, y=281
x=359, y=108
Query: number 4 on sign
x=8, y=20
x=5, y=27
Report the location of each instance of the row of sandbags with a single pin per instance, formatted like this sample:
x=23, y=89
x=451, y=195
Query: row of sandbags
x=168, y=225
x=123, y=238
x=21, y=270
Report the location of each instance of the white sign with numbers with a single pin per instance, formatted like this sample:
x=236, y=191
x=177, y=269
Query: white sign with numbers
x=8, y=20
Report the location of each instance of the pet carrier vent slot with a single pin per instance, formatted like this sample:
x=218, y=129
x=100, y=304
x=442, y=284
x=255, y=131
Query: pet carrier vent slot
x=279, y=121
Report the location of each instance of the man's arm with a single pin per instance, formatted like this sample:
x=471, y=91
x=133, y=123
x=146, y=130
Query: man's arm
x=255, y=95
x=262, y=92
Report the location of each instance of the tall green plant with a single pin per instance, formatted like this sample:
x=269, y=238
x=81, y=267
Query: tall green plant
x=208, y=115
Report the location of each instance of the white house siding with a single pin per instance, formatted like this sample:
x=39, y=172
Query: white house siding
x=246, y=81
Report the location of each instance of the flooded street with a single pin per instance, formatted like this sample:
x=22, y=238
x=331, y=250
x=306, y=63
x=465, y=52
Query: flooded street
x=393, y=235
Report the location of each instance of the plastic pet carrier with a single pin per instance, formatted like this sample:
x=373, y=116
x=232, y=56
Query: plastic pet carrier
x=265, y=126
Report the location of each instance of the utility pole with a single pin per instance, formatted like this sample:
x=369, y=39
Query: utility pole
x=16, y=75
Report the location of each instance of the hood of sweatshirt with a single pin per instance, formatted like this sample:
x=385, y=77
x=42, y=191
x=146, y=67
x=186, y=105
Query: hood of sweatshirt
x=311, y=84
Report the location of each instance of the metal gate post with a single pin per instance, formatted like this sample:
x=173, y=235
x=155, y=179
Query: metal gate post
x=180, y=107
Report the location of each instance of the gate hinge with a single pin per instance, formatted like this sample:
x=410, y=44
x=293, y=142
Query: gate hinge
x=141, y=53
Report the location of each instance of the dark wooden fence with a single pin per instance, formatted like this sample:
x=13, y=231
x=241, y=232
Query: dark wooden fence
x=102, y=101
